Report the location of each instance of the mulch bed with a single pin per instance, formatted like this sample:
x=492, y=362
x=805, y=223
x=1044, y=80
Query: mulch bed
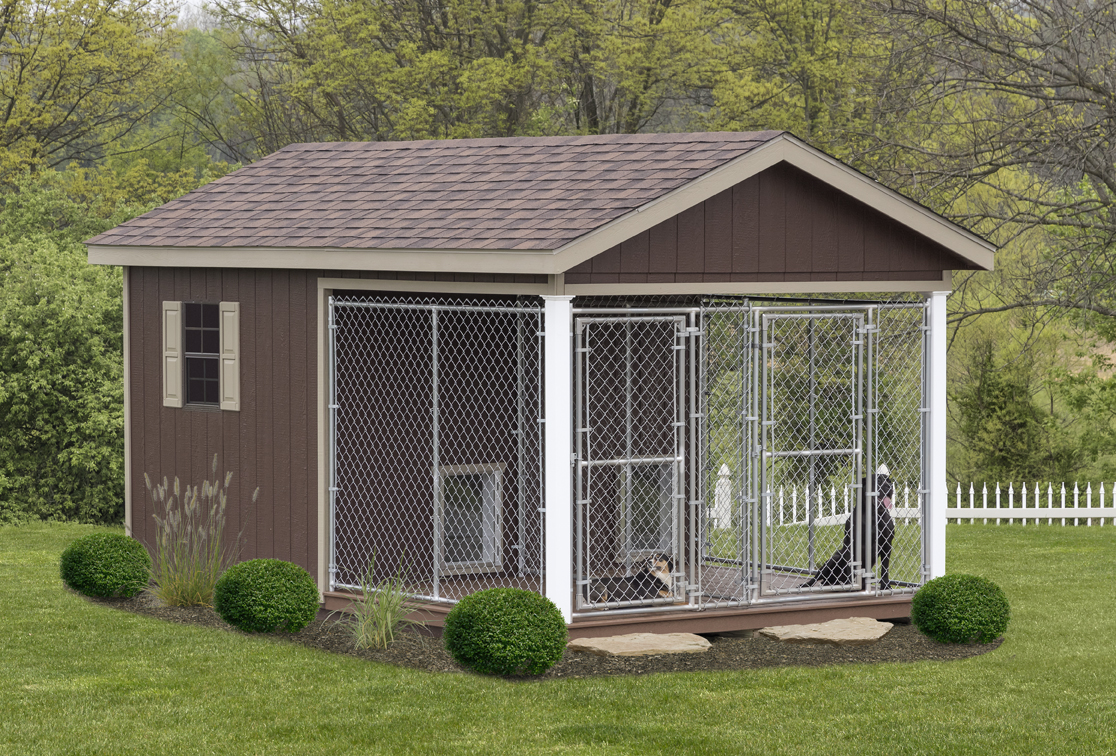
x=729, y=652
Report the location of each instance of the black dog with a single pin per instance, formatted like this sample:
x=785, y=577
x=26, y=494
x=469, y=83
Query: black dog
x=650, y=581
x=874, y=538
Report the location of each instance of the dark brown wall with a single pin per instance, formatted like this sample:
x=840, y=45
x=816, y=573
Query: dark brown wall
x=271, y=442
x=780, y=225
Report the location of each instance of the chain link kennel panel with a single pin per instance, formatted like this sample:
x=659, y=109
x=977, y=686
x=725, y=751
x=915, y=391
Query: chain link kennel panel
x=436, y=444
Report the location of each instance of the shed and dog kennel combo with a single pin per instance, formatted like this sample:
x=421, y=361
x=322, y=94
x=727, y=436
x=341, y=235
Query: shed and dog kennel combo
x=653, y=377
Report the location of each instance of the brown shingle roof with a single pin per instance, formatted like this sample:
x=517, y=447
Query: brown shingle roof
x=518, y=193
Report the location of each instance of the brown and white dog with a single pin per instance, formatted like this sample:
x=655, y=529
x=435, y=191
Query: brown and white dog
x=650, y=580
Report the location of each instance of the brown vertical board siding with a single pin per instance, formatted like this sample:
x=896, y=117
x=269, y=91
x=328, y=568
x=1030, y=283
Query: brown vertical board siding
x=663, y=248
x=607, y=261
x=718, y=233
x=278, y=390
x=691, y=240
x=146, y=453
x=782, y=221
x=635, y=254
x=299, y=362
x=310, y=284
x=877, y=248
x=850, y=238
x=825, y=212
x=249, y=470
x=745, y=226
x=799, y=220
x=281, y=411
x=772, y=222
x=265, y=416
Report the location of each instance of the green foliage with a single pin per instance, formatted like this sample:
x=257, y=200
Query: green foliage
x=961, y=609
x=76, y=76
x=505, y=631
x=265, y=596
x=62, y=342
x=190, y=549
x=106, y=564
x=382, y=612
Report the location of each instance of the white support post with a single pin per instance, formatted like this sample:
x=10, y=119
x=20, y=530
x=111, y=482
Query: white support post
x=937, y=499
x=558, y=352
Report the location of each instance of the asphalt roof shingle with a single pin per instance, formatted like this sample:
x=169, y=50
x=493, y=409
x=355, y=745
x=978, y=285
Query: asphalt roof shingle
x=532, y=193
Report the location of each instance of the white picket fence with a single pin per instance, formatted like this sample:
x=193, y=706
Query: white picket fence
x=787, y=506
x=1056, y=508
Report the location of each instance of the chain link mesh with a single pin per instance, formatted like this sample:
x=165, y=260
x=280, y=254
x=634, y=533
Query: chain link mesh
x=721, y=447
x=437, y=445
x=630, y=381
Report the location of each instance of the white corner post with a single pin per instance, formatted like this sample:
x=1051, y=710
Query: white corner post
x=558, y=438
x=937, y=498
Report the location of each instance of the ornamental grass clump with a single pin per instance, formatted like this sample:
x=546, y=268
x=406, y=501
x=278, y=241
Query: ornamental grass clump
x=961, y=609
x=190, y=549
x=505, y=631
x=106, y=565
x=382, y=613
x=265, y=596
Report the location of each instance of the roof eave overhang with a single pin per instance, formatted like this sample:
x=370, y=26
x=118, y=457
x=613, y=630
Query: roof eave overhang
x=783, y=148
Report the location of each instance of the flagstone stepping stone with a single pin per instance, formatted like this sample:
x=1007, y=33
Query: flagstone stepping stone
x=641, y=644
x=855, y=631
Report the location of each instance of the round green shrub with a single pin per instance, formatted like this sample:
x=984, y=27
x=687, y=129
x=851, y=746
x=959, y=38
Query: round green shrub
x=106, y=564
x=505, y=631
x=266, y=595
x=961, y=609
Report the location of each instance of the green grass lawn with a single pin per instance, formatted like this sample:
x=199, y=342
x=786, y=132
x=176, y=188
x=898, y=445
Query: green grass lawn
x=79, y=678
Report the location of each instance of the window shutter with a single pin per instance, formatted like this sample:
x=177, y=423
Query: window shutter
x=230, y=356
x=172, y=354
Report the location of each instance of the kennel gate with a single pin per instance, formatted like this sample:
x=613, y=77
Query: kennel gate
x=779, y=411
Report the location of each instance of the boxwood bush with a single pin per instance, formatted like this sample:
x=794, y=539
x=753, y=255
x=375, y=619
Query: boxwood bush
x=266, y=595
x=505, y=631
x=106, y=564
x=961, y=609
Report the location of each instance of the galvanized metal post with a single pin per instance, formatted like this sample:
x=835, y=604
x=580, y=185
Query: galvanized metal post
x=558, y=314
x=521, y=442
x=332, y=445
x=435, y=457
x=695, y=503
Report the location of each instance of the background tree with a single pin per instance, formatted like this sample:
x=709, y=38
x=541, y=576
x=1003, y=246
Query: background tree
x=77, y=76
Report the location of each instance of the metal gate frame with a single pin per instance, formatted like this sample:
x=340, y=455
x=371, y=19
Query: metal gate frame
x=683, y=462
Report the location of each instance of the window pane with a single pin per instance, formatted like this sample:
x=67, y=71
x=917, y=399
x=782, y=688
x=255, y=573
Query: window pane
x=195, y=368
x=211, y=342
x=193, y=315
x=210, y=316
x=193, y=340
x=211, y=392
